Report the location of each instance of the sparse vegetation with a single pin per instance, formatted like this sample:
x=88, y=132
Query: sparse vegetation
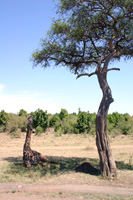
x=39, y=130
x=74, y=149
x=63, y=122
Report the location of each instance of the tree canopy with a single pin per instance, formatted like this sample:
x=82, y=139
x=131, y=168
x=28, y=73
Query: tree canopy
x=88, y=33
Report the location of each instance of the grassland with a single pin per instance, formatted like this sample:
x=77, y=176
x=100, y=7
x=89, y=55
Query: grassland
x=15, y=179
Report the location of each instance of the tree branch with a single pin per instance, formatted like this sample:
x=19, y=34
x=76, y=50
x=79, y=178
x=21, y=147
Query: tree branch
x=118, y=69
x=111, y=46
x=85, y=74
x=116, y=54
x=93, y=43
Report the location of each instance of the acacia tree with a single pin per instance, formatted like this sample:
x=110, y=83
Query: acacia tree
x=88, y=35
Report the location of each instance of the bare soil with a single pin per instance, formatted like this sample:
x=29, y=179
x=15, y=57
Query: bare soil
x=66, y=185
x=67, y=191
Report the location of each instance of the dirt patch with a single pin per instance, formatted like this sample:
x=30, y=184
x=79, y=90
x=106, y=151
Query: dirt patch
x=32, y=191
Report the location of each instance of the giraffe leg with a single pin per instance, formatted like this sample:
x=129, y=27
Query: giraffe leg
x=42, y=163
x=27, y=164
x=43, y=158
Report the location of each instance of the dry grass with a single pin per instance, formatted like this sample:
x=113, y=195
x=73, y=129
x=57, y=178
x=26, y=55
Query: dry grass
x=73, y=149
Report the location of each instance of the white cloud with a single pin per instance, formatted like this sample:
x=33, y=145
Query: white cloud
x=32, y=100
x=2, y=87
x=28, y=101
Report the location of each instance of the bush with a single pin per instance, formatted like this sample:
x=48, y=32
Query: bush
x=15, y=134
x=114, y=118
x=40, y=119
x=22, y=123
x=54, y=120
x=2, y=129
x=23, y=113
x=39, y=130
x=66, y=127
x=125, y=128
x=83, y=122
x=76, y=131
x=12, y=124
x=16, y=122
x=63, y=114
x=3, y=117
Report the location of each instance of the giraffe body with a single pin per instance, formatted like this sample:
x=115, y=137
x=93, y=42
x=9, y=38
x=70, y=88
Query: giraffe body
x=31, y=157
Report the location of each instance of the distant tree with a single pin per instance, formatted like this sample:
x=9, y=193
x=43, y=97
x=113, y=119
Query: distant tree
x=23, y=113
x=63, y=114
x=126, y=117
x=54, y=119
x=40, y=119
x=87, y=36
x=114, y=118
x=92, y=118
x=83, y=122
x=3, y=117
x=55, y=122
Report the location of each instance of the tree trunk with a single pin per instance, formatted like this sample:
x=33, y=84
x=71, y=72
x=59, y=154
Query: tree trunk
x=107, y=163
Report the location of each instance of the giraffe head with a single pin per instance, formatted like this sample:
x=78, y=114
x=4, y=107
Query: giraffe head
x=30, y=119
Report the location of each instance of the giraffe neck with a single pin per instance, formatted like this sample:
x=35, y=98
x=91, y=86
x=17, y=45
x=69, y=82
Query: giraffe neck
x=28, y=137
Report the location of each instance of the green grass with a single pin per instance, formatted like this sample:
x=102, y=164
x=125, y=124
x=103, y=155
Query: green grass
x=13, y=191
x=16, y=171
x=122, y=166
x=102, y=197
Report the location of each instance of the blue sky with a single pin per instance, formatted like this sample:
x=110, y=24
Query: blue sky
x=23, y=23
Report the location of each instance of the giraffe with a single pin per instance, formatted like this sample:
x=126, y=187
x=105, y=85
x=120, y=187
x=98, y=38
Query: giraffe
x=31, y=157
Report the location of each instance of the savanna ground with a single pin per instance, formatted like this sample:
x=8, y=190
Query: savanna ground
x=56, y=182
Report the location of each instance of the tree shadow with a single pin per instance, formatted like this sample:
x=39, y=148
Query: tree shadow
x=82, y=165
x=14, y=159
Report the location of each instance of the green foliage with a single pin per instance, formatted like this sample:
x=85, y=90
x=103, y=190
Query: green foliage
x=12, y=124
x=40, y=119
x=22, y=123
x=16, y=122
x=126, y=117
x=88, y=34
x=126, y=130
x=125, y=127
x=64, y=123
x=63, y=114
x=82, y=122
x=39, y=130
x=83, y=31
x=120, y=124
x=3, y=118
x=68, y=125
x=54, y=119
x=2, y=129
x=85, y=122
x=16, y=171
x=55, y=122
x=22, y=112
x=15, y=134
x=114, y=118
